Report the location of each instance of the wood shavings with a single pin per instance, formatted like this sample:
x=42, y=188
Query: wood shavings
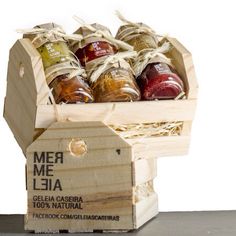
x=143, y=130
x=143, y=191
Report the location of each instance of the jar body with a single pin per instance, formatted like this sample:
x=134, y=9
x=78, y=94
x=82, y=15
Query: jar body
x=71, y=90
x=56, y=55
x=116, y=85
x=159, y=81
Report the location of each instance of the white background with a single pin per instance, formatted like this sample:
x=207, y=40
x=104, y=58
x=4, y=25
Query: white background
x=205, y=179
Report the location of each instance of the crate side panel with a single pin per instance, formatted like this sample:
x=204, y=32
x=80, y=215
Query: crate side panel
x=21, y=96
x=187, y=126
x=145, y=210
x=119, y=113
x=182, y=59
x=38, y=74
x=101, y=194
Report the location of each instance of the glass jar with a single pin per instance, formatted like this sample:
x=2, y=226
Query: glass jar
x=59, y=63
x=116, y=85
x=70, y=90
x=159, y=81
x=117, y=82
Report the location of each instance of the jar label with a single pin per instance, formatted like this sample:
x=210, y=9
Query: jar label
x=162, y=68
x=95, y=50
x=54, y=53
x=59, y=69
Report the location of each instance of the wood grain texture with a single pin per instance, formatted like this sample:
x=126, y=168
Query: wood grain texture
x=21, y=97
x=153, y=147
x=102, y=179
x=109, y=168
x=145, y=210
x=119, y=113
x=144, y=170
x=182, y=59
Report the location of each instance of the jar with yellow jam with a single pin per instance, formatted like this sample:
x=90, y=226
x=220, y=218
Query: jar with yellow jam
x=53, y=53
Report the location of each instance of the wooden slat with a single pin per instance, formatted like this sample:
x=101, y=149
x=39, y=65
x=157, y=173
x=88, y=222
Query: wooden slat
x=88, y=191
x=37, y=75
x=86, y=177
x=53, y=140
x=144, y=170
x=60, y=145
x=145, y=210
x=94, y=158
x=49, y=226
x=21, y=97
x=186, y=130
x=116, y=204
x=21, y=101
x=103, y=178
x=68, y=130
x=182, y=59
x=119, y=113
x=15, y=130
x=160, y=146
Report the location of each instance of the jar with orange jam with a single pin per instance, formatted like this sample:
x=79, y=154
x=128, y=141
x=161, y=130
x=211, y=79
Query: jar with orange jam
x=116, y=83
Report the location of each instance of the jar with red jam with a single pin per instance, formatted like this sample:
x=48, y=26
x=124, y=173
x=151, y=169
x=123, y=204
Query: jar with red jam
x=158, y=80
x=117, y=82
x=59, y=64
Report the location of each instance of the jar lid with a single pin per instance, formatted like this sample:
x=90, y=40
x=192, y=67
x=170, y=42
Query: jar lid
x=50, y=33
x=131, y=32
x=91, y=36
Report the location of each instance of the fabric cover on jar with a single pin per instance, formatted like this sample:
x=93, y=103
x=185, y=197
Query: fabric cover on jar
x=109, y=75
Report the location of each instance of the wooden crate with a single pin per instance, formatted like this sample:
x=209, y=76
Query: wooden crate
x=109, y=186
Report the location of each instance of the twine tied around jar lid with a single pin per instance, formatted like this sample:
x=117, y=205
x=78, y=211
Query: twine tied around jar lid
x=52, y=32
x=102, y=32
x=96, y=32
x=115, y=61
x=131, y=30
x=49, y=32
x=72, y=68
x=146, y=55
